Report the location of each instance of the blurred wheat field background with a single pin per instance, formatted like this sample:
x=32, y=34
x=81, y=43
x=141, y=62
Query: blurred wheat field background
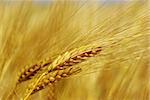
x=33, y=31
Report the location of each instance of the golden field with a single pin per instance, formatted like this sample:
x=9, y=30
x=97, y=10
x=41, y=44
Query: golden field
x=69, y=32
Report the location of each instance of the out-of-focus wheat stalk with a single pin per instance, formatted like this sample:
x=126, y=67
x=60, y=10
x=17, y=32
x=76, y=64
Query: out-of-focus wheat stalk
x=32, y=31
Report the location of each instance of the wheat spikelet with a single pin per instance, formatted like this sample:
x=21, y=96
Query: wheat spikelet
x=31, y=70
x=51, y=93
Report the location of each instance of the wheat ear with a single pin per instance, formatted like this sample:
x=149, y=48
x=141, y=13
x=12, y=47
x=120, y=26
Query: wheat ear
x=53, y=77
x=65, y=61
x=29, y=71
x=73, y=57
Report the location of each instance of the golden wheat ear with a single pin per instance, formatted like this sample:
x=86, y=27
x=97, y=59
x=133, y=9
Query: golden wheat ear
x=74, y=57
x=62, y=67
x=77, y=59
x=55, y=76
x=29, y=71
